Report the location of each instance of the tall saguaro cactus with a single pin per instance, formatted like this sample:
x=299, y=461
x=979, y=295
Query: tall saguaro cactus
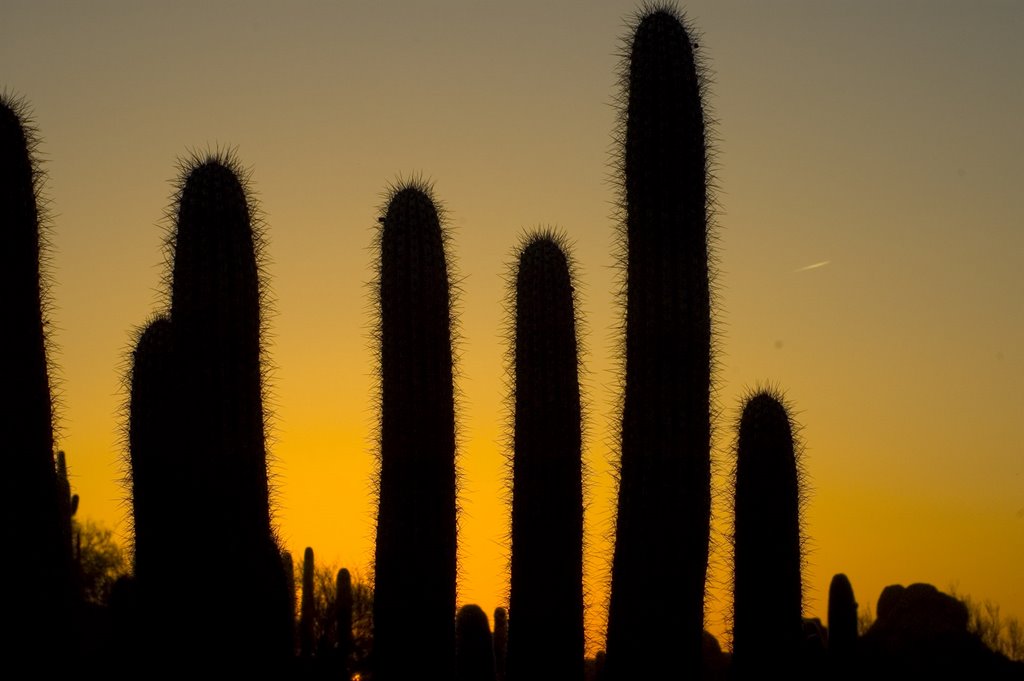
x=343, y=610
x=219, y=422
x=767, y=587
x=546, y=627
x=659, y=567
x=308, y=614
x=415, y=560
x=39, y=599
x=158, y=480
x=155, y=496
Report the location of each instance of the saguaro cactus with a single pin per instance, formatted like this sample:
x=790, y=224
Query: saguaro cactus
x=344, y=603
x=546, y=628
x=216, y=333
x=655, y=621
x=767, y=587
x=500, y=642
x=156, y=489
x=415, y=559
x=474, y=654
x=306, y=618
x=39, y=599
x=842, y=624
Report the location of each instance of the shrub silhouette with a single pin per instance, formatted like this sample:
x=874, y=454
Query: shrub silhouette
x=655, y=620
x=767, y=586
x=40, y=597
x=415, y=560
x=545, y=635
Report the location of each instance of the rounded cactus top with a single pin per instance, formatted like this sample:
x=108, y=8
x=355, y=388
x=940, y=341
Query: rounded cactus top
x=765, y=418
x=17, y=187
x=543, y=258
x=215, y=273
x=661, y=36
x=213, y=189
x=410, y=209
x=154, y=336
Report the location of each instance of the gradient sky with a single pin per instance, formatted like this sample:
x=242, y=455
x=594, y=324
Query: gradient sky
x=883, y=139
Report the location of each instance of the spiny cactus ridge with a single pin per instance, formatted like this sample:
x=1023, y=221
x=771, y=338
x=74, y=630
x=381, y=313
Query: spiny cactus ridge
x=659, y=567
x=415, y=561
x=546, y=601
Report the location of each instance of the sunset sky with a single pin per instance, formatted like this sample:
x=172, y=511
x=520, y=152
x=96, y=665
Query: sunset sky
x=869, y=246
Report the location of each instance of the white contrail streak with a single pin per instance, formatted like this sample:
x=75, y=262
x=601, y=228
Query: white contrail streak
x=814, y=266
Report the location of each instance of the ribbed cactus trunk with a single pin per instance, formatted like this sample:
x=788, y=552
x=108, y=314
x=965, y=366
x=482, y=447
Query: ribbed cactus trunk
x=545, y=635
x=415, y=563
x=38, y=598
x=655, y=621
x=216, y=326
x=767, y=588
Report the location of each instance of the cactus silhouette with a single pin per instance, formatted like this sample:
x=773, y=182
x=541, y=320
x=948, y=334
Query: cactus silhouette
x=289, y=576
x=474, y=654
x=767, y=587
x=219, y=421
x=157, y=481
x=66, y=501
x=40, y=597
x=344, y=603
x=415, y=561
x=308, y=614
x=655, y=621
x=500, y=642
x=545, y=635
x=842, y=624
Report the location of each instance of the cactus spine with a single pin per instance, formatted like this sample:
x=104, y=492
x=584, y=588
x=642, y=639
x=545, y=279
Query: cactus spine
x=655, y=621
x=546, y=629
x=41, y=597
x=415, y=560
x=767, y=589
